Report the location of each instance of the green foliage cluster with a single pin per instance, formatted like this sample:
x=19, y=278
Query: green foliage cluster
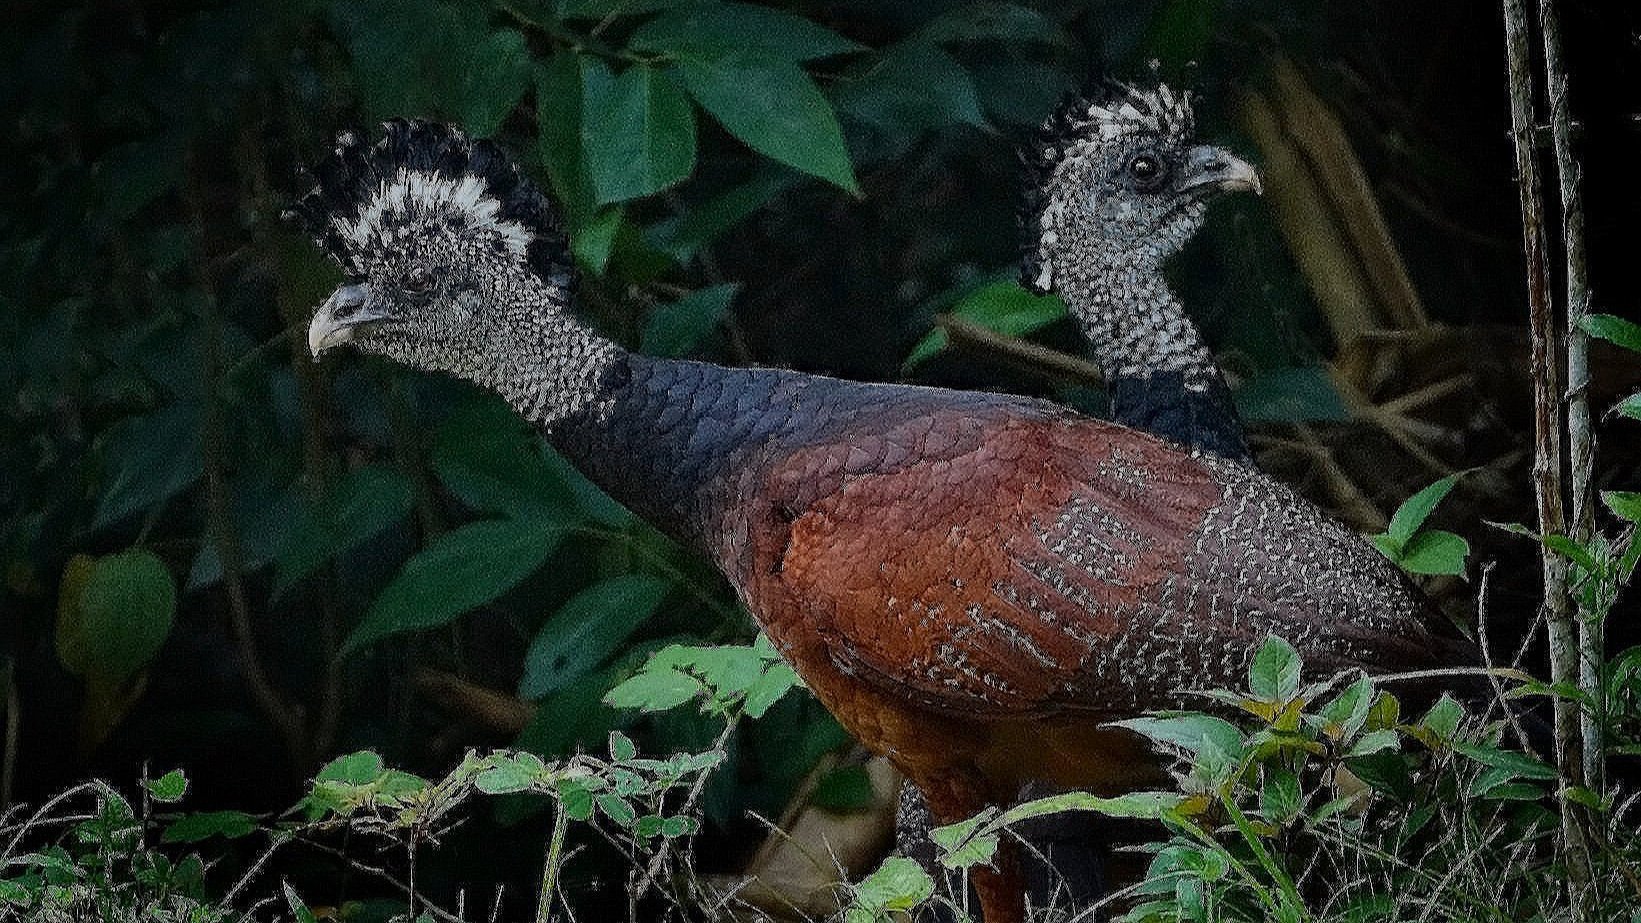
x=1323, y=802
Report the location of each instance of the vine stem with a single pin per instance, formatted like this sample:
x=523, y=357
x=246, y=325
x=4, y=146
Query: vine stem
x=549, y=868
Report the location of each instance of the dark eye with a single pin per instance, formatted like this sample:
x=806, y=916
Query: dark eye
x=419, y=281
x=1147, y=171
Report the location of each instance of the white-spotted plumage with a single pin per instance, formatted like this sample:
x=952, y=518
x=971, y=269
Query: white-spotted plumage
x=410, y=197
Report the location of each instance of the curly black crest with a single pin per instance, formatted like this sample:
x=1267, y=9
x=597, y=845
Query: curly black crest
x=358, y=174
x=1107, y=111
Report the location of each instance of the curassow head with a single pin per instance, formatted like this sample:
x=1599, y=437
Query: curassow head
x=448, y=249
x=1119, y=175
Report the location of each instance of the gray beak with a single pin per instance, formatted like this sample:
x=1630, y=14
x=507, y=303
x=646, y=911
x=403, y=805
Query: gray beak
x=1214, y=169
x=338, y=316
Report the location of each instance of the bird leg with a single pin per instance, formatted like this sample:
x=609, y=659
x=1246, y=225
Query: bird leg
x=958, y=795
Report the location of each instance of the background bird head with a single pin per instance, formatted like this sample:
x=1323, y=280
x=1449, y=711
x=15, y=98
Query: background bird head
x=1119, y=178
x=449, y=250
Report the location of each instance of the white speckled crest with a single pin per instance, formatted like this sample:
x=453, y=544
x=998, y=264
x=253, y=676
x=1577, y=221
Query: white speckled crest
x=1084, y=128
x=412, y=198
x=372, y=198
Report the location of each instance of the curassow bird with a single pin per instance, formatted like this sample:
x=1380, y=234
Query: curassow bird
x=1114, y=185
x=1113, y=188
x=971, y=583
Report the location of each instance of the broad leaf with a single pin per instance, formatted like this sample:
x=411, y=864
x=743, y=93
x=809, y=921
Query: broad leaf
x=914, y=87
x=1434, y=551
x=359, y=506
x=1274, y=673
x=638, y=131
x=1188, y=731
x=113, y=614
x=1624, y=504
x=775, y=108
x=587, y=629
x=898, y=884
x=721, y=28
x=192, y=828
x=1410, y=516
x=460, y=570
x=984, y=21
x=1004, y=307
x=559, y=90
x=1613, y=329
x=676, y=329
x=147, y=460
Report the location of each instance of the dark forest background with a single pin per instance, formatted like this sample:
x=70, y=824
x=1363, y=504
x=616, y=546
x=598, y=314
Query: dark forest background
x=220, y=555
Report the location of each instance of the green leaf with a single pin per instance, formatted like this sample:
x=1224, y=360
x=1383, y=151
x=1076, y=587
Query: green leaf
x=1279, y=798
x=425, y=57
x=1375, y=742
x=911, y=88
x=596, y=240
x=490, y=458
x=496, y=73
x=508, y=774
x=775, y=108
x=1385, y=771
x=1297, y=394
x=148, y=460
x=559, y=89
x=1003, y=307
x=846, y=788
x=1630, y=406
x=576, y=798
x=617, y=809
x=676, y=329
x=1518, y=764
x=655, y=690
x=898, y=884
x=300, y=911
x=591, y=625
x=649, y=826
x=638, y=131
x=168, y=788
x=987, y=21
x=459, y=571
x=774, y=683
x=1434, y=551
x=1416, y=509
x=602, y=9
x=359, y=506
x=683, y=236
x=721, y=28
x=1274, y=673
x=1189, y=731
x=1349, y=710
x=113, y=614
x=967, y=843
x=621, y=747
x=192, y=828
x=1624, y=504
x=675, y=827
x=361, y=768
x=1613, y=329
x=1443, y=718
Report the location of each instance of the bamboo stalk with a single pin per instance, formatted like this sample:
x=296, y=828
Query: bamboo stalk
x=1548, y=451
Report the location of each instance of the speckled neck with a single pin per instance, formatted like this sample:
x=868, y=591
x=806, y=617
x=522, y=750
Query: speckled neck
x=1161, y=377
x=1134, y=324
x=545, y=364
